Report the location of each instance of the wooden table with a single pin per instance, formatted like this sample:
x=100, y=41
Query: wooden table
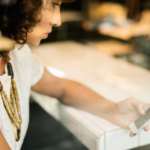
x=114, y=79
x=126, y=32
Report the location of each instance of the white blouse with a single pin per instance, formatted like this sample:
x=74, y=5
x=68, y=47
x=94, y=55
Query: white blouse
x=28, y=70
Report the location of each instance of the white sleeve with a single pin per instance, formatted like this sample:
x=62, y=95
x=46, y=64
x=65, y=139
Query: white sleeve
x=37, y=69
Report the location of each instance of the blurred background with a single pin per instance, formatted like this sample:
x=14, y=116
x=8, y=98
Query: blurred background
x=119, y=28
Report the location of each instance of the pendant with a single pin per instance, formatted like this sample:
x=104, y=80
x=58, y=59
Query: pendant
x=17, y=133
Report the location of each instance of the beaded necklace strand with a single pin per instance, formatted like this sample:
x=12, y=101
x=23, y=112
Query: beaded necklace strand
x=12, y=106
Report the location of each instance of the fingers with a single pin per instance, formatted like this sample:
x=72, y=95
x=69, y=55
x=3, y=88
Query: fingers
x=131, y=134
x=140, y=108
x=146, y=128
x=138, y=105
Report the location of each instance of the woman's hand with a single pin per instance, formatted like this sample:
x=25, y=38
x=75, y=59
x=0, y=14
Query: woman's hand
x=127, y=111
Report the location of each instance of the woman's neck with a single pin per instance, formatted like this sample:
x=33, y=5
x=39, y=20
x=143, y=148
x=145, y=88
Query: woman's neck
x=2, y=66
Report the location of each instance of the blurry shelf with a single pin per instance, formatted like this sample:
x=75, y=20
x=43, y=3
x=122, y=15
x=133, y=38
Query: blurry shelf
x=72, y=16
x=112, y=47
x=125, y=33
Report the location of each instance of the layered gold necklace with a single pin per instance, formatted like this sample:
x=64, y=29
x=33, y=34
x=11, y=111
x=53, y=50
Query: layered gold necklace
x=12, y=106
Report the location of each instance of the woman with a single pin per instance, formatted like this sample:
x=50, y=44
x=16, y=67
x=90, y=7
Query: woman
x=28, y=22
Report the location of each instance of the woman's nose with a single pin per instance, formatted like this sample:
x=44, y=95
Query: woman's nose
x=56, y=20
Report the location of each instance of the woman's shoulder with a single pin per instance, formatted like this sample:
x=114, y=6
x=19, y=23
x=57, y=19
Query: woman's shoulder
x=24, y=48
x=22, y=51
x=21, y=54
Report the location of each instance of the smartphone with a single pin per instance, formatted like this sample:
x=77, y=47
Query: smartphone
x=140, y=122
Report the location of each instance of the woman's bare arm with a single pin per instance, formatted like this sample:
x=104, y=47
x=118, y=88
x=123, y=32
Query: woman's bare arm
x=3, y=144
x=77, y=95
x=74, y=94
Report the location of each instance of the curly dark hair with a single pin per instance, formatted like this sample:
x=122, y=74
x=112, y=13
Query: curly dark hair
x=17, y=19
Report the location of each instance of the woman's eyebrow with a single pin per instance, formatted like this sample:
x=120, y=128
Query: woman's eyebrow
x=58, y=1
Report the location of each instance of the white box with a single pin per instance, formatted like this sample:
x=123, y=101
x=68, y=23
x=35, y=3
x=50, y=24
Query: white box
x=73, y=119
x=144, y=138
x=92, y=136
x=116, y=138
